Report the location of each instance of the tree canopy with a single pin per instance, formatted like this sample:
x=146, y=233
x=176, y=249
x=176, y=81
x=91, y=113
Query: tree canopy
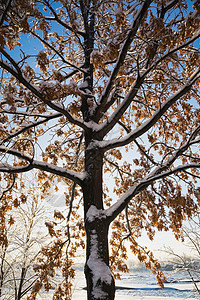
x=102, y=96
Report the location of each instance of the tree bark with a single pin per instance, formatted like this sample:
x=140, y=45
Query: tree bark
x=23, y=273
x=92, y=188
x=100, y=281
x=2, y=268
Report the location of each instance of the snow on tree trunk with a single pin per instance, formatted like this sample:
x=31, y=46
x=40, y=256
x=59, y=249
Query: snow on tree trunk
x=100, y=281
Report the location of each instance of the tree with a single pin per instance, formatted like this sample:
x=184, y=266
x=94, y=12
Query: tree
x=24, y=236
x=92, y=89
x=187, y=265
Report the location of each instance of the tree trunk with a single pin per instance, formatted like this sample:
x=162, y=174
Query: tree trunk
x=100, y=281
x=2, y=268
x=23, y=273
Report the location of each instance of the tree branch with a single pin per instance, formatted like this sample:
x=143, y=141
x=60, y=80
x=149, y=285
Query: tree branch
x=59, y=108
x=57, y=52
x=173, y=157
x=56, y=18
x=8, y=188
x=158, y=173
x=31, y=125
x=5, y=12
x=122, y=55
x=115, y=117
x=11, y=60
x=112, y=212
x=34, y=164
x=154, y=118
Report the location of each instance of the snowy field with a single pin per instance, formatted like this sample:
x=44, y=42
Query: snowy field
x=140, y=285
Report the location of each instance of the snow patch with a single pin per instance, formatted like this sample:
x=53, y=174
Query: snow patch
x=46, y=84
x=83, y=85
x=94, y=213
x=100, y=271
x=93, y=125
x=95, y=144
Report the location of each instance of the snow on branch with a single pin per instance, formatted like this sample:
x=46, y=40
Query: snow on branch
x=7, y=168
x=31, y=125
x=16, y=153
x=118, y=207
x=72, y=175
x=115, y=117
x=57, y=19
x=135, y=25
x=159, y=172
x=106, y=145
x=34, y=164
x=59, y=108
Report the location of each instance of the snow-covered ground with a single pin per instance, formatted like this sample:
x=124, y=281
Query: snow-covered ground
x=139, y=285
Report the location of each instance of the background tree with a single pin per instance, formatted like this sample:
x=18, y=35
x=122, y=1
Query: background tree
x=24, y=236
x=186, y=266
x=93, y=89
